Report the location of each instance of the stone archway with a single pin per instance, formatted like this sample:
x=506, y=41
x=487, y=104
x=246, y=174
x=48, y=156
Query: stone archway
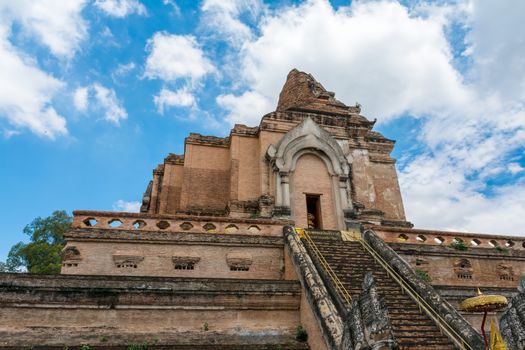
x=309, y=138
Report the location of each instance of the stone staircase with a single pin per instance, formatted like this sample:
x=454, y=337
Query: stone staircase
x=411, y=327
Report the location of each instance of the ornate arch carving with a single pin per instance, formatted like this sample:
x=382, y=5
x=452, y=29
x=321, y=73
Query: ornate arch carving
x=309, y=137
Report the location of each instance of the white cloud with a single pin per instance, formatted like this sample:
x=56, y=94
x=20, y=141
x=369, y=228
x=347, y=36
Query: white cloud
x=101, y=99
x=515, y=168
x=246, y=108
x=107, y=100
x=124, y=69
x=376, y=53
x=124, y=206
x=173, y=4
x=439, y=195
x=58, y=24
x=222, y=18
x=168, y=98
x=80, y=98
x=396, y=61
x=175, y=57
x=26, y=93
x=121, y=8
x=496, y=45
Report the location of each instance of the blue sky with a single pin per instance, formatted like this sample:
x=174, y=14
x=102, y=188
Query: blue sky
x=96, y=93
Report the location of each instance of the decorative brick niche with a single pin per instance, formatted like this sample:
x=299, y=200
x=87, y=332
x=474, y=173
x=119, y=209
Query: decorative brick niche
x=505, y=272
x=185, y=262
x=463, y=269
x=70, y=256
x=127, y=261
x=239, y=261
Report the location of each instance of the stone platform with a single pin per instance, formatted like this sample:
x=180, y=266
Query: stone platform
x=64, y=310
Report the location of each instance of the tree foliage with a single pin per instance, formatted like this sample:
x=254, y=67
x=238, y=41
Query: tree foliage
x=42, y=254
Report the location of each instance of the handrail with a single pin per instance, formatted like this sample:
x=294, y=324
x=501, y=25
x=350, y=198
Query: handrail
x=438, y=320
x=336, y=281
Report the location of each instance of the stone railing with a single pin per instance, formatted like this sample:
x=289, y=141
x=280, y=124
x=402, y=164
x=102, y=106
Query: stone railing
x=447, y=238
x=437, y=308
x=175, y=223
x=325, y=311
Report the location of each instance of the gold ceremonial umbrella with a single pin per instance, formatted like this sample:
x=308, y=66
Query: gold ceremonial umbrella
x=485, y=303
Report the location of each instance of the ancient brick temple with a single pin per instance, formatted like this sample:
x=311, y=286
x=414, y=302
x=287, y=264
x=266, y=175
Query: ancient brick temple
x=296, y=222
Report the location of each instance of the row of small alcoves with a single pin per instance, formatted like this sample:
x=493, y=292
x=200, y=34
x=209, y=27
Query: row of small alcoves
x=164, y=225
x=475, y=242
x=184, y=266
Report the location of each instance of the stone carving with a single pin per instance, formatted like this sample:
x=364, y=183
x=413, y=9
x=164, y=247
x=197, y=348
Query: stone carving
x=433, y=299
x=316, y=292
x=239, y=261
x=126, y=260
x=309, y=138
x=505, y=272
x=512, y=321
x=70, y=253
x=463, y=269
x=146, y=198
x=185, y=262
x=368, y=325
x=378, y=331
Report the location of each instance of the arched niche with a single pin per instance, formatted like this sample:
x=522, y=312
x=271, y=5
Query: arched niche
x=309, y=138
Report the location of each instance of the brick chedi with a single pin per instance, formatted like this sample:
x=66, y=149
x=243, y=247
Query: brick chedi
x=217, y=258
x=312, y=146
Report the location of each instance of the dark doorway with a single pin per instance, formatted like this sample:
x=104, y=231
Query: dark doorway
x=313, y=210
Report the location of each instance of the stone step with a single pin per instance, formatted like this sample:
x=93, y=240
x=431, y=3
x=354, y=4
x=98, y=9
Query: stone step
x=400, y=316
x=412, y=329
x=416, y=338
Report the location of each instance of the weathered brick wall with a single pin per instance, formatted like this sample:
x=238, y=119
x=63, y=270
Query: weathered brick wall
x=206, y=177
x=246, y=157
x=156, y=260
x=473, y=264
x=225, y=175
x=476, y=267
x=387, y=192
x=155, y=254
x=171, y=188
x=74, y=310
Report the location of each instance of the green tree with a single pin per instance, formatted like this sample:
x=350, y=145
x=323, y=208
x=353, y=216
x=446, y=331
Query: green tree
x=42, y=253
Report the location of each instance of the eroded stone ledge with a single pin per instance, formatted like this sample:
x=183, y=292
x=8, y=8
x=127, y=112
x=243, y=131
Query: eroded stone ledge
x=77, y=234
